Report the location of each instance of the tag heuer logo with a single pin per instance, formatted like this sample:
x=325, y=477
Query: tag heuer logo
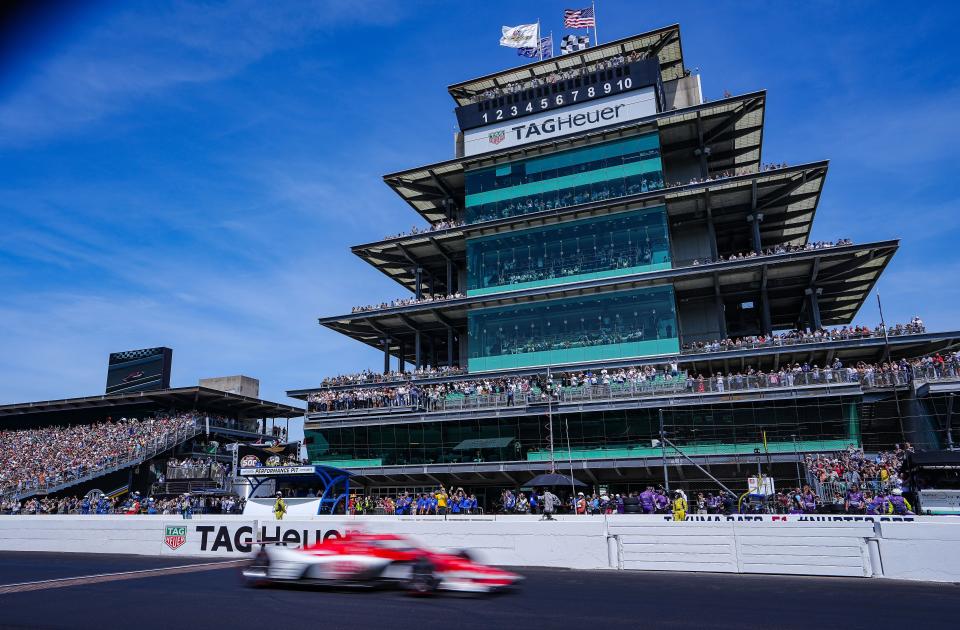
x=175, y=536
x=496, y=137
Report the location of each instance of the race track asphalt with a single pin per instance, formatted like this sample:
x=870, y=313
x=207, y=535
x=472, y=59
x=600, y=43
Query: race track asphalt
x=211, y=596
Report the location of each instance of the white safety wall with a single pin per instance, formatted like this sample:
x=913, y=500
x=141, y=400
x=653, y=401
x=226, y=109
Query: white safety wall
x=924, y=548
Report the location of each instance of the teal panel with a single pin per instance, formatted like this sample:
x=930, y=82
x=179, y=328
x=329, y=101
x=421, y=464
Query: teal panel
x=625, y=324
x=606, y=171
x=592, y=248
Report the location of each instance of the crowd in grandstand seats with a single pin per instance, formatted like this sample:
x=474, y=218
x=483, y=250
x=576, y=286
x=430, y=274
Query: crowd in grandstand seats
x=368, y=376
x=913, y=327
x=132, y=504
x=525, y=389
x=34, y=458
x=194, y=468
x=447, y=224
x=426, y=299
x=554, y=77
x=773, y=251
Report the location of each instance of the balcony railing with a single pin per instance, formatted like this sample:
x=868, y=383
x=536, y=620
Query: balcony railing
x=628, y=390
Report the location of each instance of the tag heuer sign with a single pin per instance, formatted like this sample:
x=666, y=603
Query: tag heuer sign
x=496, y=137
x=175, y=536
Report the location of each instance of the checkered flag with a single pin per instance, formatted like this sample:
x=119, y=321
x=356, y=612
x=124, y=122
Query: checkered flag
x=574, y=43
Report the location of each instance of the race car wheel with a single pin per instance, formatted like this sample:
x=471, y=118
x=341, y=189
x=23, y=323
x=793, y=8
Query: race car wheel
x=422, y=579
x=255, y=574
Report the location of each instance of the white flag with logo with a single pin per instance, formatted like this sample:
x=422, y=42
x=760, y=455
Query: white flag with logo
x=523, y=36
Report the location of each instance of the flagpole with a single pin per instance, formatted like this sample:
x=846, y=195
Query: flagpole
x=596, y=38
x=551, y=45
x=539, y=47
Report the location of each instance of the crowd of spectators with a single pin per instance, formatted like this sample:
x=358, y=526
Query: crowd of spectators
x=773, y=251
x=439, y=502
x=531, y=388
x=426, y=299
x=913, y=327
x=48, y=456
x=727, y=174
x=132, y=504
x=447, y=224
x=194, y=468
x=370, y=377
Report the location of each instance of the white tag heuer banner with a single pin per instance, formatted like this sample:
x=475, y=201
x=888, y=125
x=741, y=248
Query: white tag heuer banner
x=523, y=36
x=560, y=122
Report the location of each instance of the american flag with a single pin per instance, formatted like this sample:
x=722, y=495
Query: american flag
x=579, y=18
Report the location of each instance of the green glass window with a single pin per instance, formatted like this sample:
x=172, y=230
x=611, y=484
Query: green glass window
x=617, y=325
x=601, y=247
x=605, y=171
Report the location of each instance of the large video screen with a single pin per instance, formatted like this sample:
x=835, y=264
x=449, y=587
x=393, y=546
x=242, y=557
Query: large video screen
x=139, y=370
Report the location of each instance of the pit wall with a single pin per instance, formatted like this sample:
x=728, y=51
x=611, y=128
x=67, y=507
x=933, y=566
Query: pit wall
x=913, y=548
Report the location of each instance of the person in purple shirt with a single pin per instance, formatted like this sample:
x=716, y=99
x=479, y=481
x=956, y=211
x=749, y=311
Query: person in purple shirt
x=854, y=502
x=661, y=500
x=808, y=500
x=647, y=501
x=874, y=502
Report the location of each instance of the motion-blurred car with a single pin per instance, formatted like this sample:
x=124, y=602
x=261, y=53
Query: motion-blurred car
x=360, y=559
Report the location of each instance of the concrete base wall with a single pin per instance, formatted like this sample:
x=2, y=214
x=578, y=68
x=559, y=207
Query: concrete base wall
x=924, y=548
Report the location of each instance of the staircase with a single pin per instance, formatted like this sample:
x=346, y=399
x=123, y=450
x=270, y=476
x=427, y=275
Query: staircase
x=132, y=458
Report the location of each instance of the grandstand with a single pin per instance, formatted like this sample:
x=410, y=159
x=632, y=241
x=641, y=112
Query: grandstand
x=648, y=234
x=127, y=441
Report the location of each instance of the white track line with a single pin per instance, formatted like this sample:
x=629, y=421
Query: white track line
x=40, y=585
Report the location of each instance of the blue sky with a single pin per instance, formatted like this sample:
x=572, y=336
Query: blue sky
x=192, y=174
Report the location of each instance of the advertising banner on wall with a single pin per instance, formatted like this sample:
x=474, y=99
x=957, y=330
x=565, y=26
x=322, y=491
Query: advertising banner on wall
x=254, y=456
x=560, y=122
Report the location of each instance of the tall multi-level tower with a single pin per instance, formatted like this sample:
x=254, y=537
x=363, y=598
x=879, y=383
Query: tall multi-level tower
x=601, y=215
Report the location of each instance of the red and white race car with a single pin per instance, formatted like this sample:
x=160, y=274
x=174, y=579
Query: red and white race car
x=360, y=559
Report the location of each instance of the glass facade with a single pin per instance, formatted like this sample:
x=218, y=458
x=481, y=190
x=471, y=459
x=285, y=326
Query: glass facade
x=594, y=173
x=600, y=247
x=822, y=424
x=624, y=324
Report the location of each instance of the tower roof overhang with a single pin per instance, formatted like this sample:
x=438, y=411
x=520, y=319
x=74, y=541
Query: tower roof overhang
x=664, y=43
x=787, y=197
x=732, y=129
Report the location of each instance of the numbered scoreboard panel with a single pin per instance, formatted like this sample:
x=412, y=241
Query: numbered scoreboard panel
x=595, y=85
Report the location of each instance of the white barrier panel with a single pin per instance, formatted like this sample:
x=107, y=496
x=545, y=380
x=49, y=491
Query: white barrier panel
x=928, y=551
x=744, y=544
x=917, y=548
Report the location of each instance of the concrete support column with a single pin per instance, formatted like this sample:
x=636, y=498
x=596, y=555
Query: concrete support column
x=755, y=220
x=418, y=282
x=386, y=355
x=765, y=326
x=401, y=357
x=813, y=295
x=711, y=231
x=431, y=352
x=417, y=351
x=450, y=290
x=449, y=347
x=721, y=317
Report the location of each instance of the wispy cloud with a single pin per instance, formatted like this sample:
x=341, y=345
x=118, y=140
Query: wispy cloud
x=161, y=46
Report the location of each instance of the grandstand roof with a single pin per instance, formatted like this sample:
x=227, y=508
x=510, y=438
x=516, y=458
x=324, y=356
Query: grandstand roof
x=732, y=128
x=180, y=399
x=787, y=197
x=663, y=42
x=845, y=274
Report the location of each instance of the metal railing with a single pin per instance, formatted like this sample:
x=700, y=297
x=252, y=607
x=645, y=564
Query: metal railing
x=631, y=389
x=790, y=341
x=133, y=456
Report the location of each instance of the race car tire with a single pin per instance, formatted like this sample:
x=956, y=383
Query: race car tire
x=631, y=501
x=256, y=573
x=632, y=509
x=422, y=580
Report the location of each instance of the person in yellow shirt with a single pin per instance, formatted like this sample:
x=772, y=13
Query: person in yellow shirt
x=441, y=497
x=679, y=506
x=279, y=507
